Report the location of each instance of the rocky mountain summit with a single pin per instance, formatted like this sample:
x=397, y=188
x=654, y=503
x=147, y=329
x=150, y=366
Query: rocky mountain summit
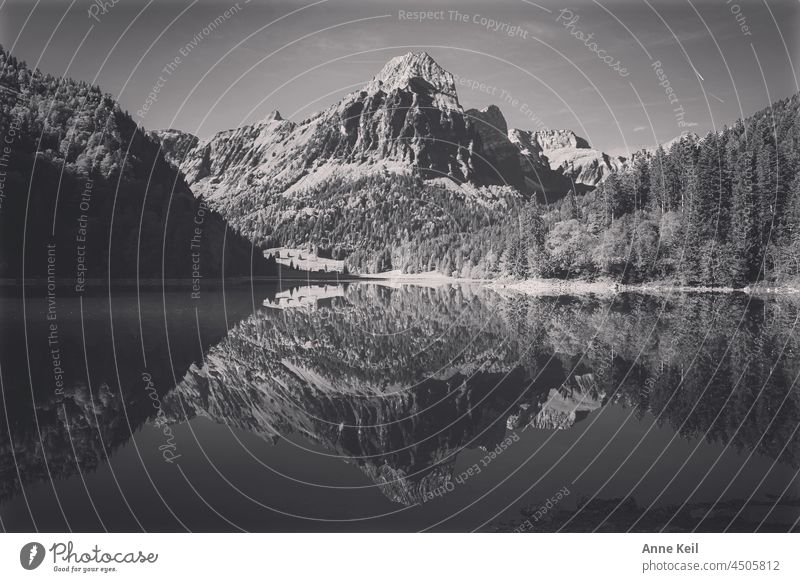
x=406, y=121
x=420, y=71
x=407, y=117
x=566, y=154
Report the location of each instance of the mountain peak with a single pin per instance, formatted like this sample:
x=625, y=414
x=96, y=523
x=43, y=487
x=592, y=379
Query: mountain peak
x=406, y=71
x=560, y=138
x=274, y=115
x=492, y=116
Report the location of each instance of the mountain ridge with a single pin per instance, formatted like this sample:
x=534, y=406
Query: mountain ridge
x=272, y=180
x=398, y=175
x=461, y=134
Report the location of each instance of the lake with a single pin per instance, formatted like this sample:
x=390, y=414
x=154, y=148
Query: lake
x=377, y=407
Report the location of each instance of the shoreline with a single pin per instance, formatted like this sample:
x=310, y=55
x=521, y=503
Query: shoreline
x=610, y=287
x=151, y=283
x=526, y=286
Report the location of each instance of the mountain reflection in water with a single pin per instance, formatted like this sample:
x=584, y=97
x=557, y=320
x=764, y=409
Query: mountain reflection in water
x=452, y=407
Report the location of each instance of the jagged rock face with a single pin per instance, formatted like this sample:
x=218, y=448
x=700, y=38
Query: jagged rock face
x=408, y=116
x=404, y=117
x=532, y=161
x=175, y=144
x=501, y=156
x=419, y=71
x=266, y=179
x=239, y=160
x=570, y=157
x=586, y=167
x=554, y=139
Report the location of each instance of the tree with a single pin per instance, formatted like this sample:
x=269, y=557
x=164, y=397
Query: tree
x=610, y=255
x=569, y=248
x=706, y=204
x=569, y=206
x=644, y=249
x=384, y=261
x=641, y=182
x=691, y=260
x=790, y=235
x=659, y=195
x=743, y=259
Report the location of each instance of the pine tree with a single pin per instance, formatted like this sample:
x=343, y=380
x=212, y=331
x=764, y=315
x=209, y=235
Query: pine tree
x=673, y=176
x=659, y=195
x=706, y=206
x=691, y=260
x=790, y=234
x=569, y=208
x=612, y=194
x=744, y=229
x=641, y=183
x=765, y=184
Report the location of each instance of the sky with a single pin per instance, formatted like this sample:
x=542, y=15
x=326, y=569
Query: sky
x=624, y=75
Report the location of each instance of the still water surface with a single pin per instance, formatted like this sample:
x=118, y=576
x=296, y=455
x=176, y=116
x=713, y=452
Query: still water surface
x=371, y=407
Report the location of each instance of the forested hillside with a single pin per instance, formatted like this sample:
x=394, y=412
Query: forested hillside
x=361, y=220
x=79, y=175
x=723, y=210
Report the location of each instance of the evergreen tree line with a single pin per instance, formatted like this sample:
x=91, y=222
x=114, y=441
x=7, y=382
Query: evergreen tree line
x=377, y=222
x=723, y=210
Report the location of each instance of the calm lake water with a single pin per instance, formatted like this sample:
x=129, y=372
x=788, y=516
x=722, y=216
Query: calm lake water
x=381, y=408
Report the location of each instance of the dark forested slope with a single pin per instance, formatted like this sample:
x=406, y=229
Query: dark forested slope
x=86, y=194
